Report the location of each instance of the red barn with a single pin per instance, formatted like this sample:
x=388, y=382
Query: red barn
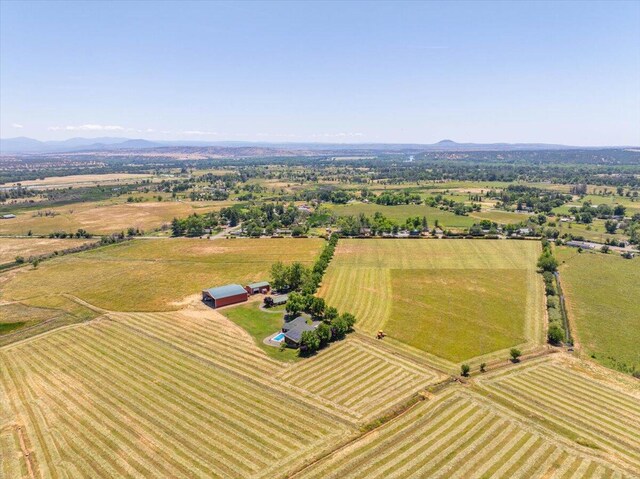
x=225, y=295
x=262, y=287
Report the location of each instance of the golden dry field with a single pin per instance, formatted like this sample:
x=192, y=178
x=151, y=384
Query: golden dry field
x=103, y=217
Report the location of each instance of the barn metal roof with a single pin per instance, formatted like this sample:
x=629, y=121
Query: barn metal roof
x=226, y=291
x=260, y=284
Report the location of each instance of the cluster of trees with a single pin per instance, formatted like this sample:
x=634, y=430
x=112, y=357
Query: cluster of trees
x=194, y=225
x=587, y=212
x=16, y=193
x=379, y=224
x=456, y=207
x=266, y=218
x=398, y=198
x=526, y=197
x=334, y=326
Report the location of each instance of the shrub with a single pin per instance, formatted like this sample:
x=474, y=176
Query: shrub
x=464, y=370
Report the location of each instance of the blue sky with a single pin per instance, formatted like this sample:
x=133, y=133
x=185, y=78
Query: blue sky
x=557, y=72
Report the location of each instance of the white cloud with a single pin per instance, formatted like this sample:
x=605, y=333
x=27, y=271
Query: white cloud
x=87, y=127
x=17, y=125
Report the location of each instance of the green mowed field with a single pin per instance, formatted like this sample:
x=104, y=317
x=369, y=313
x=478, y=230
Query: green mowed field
x=423, y=317
x=154, y=275
x=455, y=299
x=400, y=213
x=602, y=298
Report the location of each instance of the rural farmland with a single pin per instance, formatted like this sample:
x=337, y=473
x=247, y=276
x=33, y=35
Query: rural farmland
x=154, y=275
x=451, y=299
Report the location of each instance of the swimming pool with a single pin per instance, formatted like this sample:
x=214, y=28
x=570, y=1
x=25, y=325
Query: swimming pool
x=278, y=338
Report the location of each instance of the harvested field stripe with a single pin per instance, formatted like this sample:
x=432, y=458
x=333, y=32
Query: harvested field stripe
x=240, y=399
x=131, y=392
x=152, y=427
x=544, y=395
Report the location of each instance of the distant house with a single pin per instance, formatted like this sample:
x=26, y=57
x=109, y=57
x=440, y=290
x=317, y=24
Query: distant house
x=263, y=287
x=580, y=244
x=225, y=295
x=7, y=217
x=293, y=330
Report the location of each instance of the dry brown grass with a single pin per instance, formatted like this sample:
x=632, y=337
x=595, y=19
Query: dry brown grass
x=25, y=247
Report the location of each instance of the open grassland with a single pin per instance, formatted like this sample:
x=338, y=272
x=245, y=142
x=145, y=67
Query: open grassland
x=602, y=293
x=82, y=180
x=501, y=217
x=587, y=410
x=26, y=247
x=460, y=435
x=446, y=219
x=104, y=400
x=103, y=217
x=155, y=275
x=591, y=232
x=363, y=379
x=455, y=299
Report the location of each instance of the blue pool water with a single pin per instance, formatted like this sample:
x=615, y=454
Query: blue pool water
x=279, y=337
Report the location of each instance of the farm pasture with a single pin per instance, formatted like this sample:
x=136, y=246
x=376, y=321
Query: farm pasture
x=587, y=410
x=78, y=181
x=105, y=400
x=104, y=217
x=602, y=294
x=155, y=275
x=459, y=435
x=26, y=247
x=454, y=299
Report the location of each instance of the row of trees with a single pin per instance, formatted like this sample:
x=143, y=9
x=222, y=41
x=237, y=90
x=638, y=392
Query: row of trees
x=297, y=277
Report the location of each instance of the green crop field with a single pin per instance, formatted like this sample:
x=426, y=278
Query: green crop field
x=454, y=299
x=459, y=435
x=602, y=294
x=105, y=400
x=446, y=219
x=586, y=410
x=154, y=275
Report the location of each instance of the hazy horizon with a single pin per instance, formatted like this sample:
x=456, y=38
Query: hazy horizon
x=476, y=72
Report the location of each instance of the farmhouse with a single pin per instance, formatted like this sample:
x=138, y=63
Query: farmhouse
x=225, y=295
x=279, y=299
x=263, y=287
x=293, y=330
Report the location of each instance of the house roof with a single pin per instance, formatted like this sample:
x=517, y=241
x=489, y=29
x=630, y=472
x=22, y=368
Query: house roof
x=260, y=284
x=294, y=329
x=226, y=291
x=280, y=298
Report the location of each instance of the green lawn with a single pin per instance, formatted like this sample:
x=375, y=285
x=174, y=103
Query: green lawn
x=260, y=325
x=602, y=297
x=456, y=314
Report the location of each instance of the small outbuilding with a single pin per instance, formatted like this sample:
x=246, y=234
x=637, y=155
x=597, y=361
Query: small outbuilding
x=225, y=295
x=262, y=287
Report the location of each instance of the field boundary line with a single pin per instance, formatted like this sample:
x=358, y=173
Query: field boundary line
x=22, y=342
x=364, y=434
x=82, y=302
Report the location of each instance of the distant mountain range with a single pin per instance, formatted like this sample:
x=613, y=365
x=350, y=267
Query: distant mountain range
x=24, y=145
